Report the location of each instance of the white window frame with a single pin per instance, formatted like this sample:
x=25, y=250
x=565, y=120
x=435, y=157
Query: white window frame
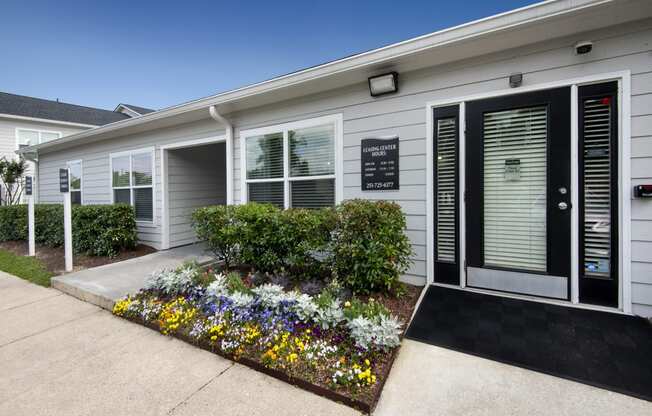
x=81, y=178
x=130, y=153
x=40, y=134
x=624, y=191
x=336, y=120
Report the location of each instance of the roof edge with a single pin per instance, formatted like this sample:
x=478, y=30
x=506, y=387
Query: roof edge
x=445, y=37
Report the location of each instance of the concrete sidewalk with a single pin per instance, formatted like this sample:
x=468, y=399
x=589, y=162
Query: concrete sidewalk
x=103, y=285
x=428, y=380
x=62, y=356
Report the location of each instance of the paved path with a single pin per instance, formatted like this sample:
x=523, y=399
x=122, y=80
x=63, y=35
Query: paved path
x=62, y=356
x=104, y=285
x=428, y=380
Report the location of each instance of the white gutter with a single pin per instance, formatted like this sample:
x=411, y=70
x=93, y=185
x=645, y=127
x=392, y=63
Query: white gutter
x=215, y=115
x=519, y=17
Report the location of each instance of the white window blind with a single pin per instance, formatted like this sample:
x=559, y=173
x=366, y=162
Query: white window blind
x=597, y=187
x=515, y=197
x=446, y=188
x=292, y=167
x=133, y=183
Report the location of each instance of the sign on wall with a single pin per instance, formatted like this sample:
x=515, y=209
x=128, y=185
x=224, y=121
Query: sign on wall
x=64, y=183
x=28, y=185
x=379, y=164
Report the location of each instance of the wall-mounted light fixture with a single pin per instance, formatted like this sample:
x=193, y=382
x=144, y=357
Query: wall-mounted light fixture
x=383, y=84
x=515, y=80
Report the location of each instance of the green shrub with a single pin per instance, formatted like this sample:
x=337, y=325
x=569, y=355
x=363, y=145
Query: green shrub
x=305, y=235
x=217, y=226
x=100, y=230
x=369, y=248
x=259, y=238
x=103, y=230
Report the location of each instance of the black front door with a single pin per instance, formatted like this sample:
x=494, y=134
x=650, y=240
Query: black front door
x=518, y=210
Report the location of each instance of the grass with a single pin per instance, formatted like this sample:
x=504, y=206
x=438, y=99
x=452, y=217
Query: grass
x=28, y=268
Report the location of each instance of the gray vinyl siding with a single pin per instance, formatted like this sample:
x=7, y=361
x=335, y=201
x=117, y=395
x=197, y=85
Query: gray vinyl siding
x=625, y=47
x=404, y=114
x=96, y=185
x=196, y=178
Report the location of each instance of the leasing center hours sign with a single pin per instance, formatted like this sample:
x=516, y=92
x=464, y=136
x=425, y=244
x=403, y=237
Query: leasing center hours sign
x=379, y=168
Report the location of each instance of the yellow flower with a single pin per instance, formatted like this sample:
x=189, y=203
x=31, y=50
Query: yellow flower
x=347, y=304
x=367, y=363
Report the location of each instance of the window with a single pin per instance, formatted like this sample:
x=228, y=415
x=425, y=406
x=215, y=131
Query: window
x=28, y=137
x=291, y=165
x=75, y=168
x=132, y=181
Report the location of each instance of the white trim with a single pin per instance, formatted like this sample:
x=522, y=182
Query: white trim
x=194, y=143
x=165, y=186
x=47, y=120
x=152, y=151
x=624, y=163
x=81, y=178
x=336, y=120
x=574, y=192
x=625, y=189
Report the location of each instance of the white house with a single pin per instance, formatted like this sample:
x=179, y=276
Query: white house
x=521, y=138
x=26, y=121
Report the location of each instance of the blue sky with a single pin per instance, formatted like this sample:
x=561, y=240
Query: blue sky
x=158, y=54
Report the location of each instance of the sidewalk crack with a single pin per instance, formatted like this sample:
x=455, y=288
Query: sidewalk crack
x=200, y=388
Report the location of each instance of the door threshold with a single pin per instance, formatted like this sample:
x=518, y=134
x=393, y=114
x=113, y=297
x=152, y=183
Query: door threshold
x=535, y=299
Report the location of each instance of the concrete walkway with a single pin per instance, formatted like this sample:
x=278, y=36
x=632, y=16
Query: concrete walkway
x=62, y=356
x=428, y=380
x=103, y=285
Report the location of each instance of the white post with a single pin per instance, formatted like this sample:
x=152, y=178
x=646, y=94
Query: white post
x=30, y=225
x=64, y=185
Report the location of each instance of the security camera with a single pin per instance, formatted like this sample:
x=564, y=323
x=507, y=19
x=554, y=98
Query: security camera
x=583, y=47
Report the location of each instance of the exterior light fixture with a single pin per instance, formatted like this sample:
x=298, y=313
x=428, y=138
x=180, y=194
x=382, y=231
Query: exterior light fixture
x=383, y=84
x=515, y=80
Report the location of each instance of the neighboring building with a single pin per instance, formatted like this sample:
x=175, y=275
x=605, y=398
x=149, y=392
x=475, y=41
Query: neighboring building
x=509, y=186
x=26, y=121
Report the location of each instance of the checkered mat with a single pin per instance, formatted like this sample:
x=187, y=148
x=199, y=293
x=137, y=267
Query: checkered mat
x=602, y=349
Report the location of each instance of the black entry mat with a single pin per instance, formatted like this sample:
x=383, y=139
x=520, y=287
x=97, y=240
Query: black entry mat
x=602, y=349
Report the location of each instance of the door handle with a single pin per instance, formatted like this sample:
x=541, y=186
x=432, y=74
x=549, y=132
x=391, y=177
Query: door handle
x=562, y=206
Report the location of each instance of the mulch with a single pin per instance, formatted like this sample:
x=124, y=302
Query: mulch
x=53, y=257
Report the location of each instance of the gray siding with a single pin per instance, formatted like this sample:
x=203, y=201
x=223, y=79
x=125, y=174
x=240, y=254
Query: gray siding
x=196, y=178
x=615, y=49
x=626, y=47
x=96, y=185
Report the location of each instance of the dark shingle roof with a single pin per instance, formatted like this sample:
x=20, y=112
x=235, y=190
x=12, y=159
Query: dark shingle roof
x=139, y=110
x=20, y=105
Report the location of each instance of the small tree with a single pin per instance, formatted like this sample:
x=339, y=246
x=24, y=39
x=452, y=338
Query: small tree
x=11, y=175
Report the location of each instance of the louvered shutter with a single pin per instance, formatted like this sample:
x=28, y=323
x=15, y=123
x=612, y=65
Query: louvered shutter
x=515, y=193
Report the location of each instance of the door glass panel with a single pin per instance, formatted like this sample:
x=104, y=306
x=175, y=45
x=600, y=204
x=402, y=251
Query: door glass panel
x=597, y=188
x=515, y=197
x=446, y=189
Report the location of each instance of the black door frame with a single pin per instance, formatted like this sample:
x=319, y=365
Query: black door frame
x=445, y=271
x=596, y=291
x=558, y=102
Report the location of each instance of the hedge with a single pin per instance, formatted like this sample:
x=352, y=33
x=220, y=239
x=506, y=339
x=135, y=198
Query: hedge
x=99, y=230
x=361, y=242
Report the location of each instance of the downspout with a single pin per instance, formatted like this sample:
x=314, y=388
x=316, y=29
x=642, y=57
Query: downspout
x=228, y=127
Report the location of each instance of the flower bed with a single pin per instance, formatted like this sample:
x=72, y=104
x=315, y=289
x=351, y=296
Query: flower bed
x=329, y=343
